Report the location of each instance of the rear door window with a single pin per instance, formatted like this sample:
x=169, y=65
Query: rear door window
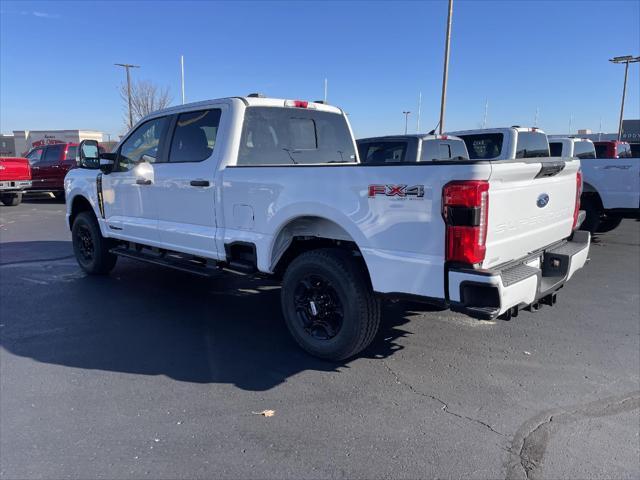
x=532, y=145
x=584, y=150
x=483, y=146
x=555, y=149
x=52, y=154
x=195, y=136
x=383, y=152
x=292, y=136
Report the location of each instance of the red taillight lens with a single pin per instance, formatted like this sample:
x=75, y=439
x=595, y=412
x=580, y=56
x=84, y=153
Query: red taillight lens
x=465, y=209
x=576, y=209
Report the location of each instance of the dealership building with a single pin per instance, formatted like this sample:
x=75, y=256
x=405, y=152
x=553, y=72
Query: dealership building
x=24, y=140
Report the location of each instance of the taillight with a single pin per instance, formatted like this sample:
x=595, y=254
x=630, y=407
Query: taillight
x=465, y=209
x=576, y=209
x=298, y=104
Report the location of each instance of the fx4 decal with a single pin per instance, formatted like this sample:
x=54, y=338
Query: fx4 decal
x=400, y=191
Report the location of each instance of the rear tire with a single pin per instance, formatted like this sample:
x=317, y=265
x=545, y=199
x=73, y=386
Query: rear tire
x=608, y=223
x=90, y=247
x=593, y=210
x=329, y=305
x=11, y=199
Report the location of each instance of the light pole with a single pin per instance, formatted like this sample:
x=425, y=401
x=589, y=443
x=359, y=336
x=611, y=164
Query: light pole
x=127, y=66
x=406, y=120
x=627, y=59
x=445, y=73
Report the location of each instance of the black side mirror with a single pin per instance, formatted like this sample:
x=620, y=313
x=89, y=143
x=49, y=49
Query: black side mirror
x=88, y=155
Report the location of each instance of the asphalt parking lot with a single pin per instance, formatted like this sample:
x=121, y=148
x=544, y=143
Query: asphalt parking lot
x=152, y=373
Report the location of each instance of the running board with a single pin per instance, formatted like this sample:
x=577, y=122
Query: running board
x=177, y=261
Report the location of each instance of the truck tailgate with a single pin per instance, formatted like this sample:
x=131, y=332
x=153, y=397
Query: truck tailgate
x=14, y=168
x=530, y=207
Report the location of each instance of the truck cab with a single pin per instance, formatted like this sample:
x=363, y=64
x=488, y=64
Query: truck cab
x=507, y=143
x=411, y=148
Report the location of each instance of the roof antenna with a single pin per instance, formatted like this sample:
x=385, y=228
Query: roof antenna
x=433, y=132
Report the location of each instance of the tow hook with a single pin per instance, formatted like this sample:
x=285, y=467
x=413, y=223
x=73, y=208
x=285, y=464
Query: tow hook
x=549, y=300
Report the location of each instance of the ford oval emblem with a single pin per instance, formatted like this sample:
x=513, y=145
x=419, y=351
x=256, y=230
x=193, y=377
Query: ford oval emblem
x=542, y=201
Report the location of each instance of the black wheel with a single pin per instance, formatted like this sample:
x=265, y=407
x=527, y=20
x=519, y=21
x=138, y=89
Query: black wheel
x=90, y=247
x=593, y=209
x=329, y=305
x=608, y=223
x=11, y=199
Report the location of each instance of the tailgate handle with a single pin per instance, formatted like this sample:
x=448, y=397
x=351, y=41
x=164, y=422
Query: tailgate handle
x=142, y=181
x=549, y=169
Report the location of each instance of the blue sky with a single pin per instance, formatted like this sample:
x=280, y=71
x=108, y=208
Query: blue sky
x=56, y=68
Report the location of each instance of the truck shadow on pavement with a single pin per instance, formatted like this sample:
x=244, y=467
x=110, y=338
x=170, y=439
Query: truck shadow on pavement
x=148, y=320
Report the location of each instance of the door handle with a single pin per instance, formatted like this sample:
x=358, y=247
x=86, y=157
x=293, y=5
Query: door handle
x=199, y=183
x=142, y=181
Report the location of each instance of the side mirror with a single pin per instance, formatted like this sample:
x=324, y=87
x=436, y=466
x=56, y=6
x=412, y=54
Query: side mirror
x=88, y=154
x=107, y=162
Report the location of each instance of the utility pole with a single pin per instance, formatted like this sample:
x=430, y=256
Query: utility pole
x=486, y=111
x=570, y=123
x=127, y=66
x=406, y=120
x=182, y=76
x=419, y=112
x=535, y=119
x=326, y=86
x=627, y=59
x=445, y=73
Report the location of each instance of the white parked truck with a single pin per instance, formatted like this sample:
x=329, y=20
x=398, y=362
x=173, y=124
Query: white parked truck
x=275, y=186
x=611, y=186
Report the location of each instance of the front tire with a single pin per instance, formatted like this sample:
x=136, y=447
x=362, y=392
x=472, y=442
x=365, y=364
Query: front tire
x=11, y=199
x=329, y=305
x=90, y=247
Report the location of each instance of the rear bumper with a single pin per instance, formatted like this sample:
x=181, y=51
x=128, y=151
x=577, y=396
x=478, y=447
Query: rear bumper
x=487, y=294
x=14, y=186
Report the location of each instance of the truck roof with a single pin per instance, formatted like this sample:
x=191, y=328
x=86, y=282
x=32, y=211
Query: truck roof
x=252, y=101
x=478, y=131
x=421, y=136
x=564, y=137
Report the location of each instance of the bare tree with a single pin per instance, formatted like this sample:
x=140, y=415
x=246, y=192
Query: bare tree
x=146, y=97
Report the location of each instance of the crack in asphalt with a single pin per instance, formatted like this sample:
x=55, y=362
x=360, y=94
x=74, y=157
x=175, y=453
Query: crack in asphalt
x=445, y=407
x=531, y=441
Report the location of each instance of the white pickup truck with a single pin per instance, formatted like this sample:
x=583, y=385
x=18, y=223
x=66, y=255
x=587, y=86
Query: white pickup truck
x=275, y=186
x=611, y=189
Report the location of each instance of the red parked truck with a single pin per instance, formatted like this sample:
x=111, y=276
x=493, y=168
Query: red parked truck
x=613, y=149
x=49, y=165
x=15, y=178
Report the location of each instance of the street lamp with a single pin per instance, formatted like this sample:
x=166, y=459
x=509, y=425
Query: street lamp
x=127, y=66
x=627, y=59
x=406, y=121
x=445, y=72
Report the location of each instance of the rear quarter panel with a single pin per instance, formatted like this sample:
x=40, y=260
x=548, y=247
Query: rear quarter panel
x=401, y=238
x=616, y=180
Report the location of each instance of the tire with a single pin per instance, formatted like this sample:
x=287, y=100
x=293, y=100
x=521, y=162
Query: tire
x=608, y=223
x=90, y=247
x=318, y=285
x=11, y=199
x=593, y=210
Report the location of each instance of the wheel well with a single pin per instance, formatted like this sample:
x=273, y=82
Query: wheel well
x=80, y=204
x=592, y=194
x=309, y=233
